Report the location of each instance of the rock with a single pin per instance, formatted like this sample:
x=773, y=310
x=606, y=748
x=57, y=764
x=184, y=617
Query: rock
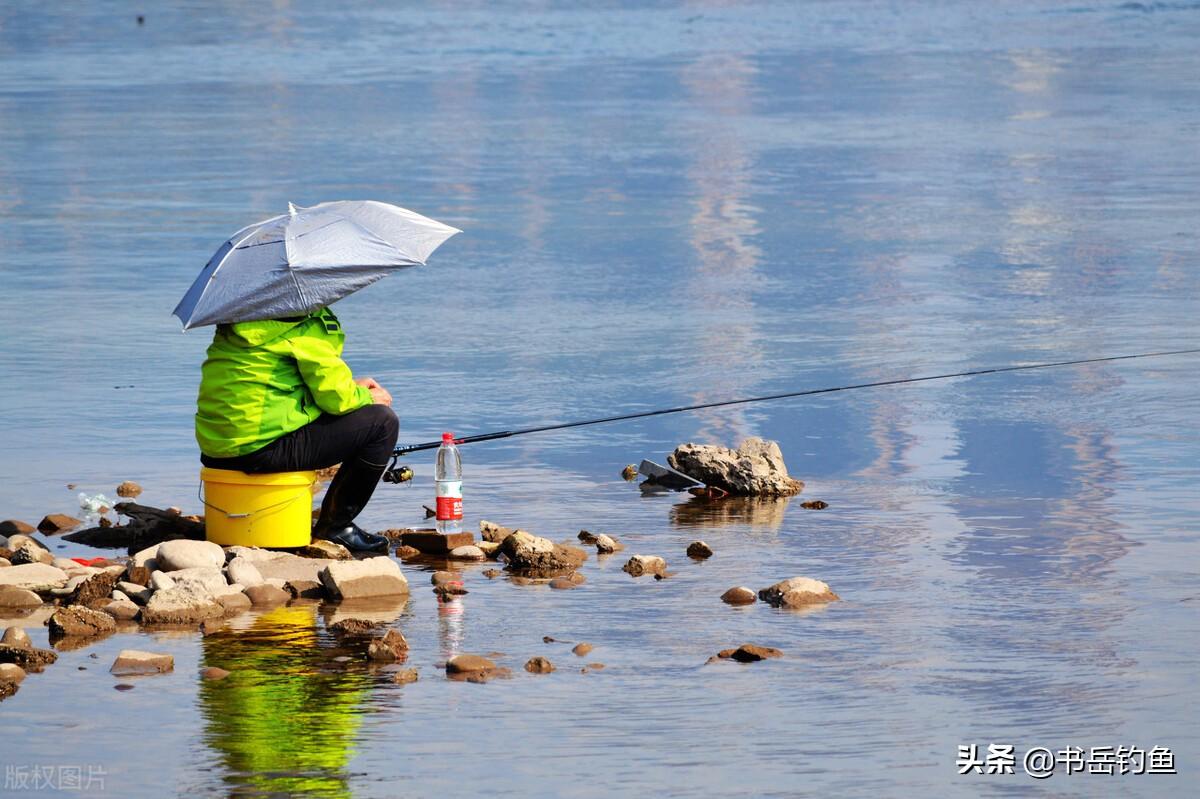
x=211, y=579
x=320, y=548
x=160, y=581
x=135, y=661
x=245, y=572
x=431, y=542
x=495, y=533
x=305, y=589
x=739, y=595
x=586, y=538
x=20, y=539
x=182, y=553
x=699, y=550
x=98, y=586
x=405, y=676
x=183, y=605
x=639, y=565
x=234, y=603
x=13, y=597
x=144, y=557
x=815, y=504
x=121, y=609
x=606, y=544
x=78, y=620
x=467, y=553
x=267, y=594
x=444, y=577
x=354, y=627
x=57, y=523
x=16, y=636
x=29, y=658
x=566, y=581
x=129, y=489
x=391, y=648
x=630, y=472
x=283, y=566
x=468, y=664
x=137, y=574
x=33, y=576
x=756, y=467
x=122, y=686
x=5, y=562
x=11, y=672
x=407, y=553
x=362, y=578
x=539, y=665
x=29, y=553
x=749, y=653
x=214, y=673
x=490, y=549
x=527, y=552
x=135, y=592
x=491, y=574
x=8, y=688
x=11, y=526
x=582, y=649
x=803, y=591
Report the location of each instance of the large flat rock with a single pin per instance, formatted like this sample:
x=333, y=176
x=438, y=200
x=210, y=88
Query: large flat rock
x=34, y=576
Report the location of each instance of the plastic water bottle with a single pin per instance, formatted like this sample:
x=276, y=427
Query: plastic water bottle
x=448, y=475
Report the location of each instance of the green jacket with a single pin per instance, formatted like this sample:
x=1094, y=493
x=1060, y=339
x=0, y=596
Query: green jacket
x=264, y=379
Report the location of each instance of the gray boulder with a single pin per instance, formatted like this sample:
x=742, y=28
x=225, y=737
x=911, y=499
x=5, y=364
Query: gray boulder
x=756, y=467
x=186, y=554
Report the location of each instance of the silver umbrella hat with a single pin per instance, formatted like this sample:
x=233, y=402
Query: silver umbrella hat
x=297, y=262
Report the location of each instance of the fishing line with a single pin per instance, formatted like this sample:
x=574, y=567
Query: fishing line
x=403, y=450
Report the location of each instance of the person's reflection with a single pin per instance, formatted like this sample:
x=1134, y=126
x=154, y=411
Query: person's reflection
x=284, y=721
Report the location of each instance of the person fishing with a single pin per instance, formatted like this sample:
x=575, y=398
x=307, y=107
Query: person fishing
x=276, y=396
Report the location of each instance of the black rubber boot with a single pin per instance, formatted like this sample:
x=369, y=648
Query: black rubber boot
x=348, y=494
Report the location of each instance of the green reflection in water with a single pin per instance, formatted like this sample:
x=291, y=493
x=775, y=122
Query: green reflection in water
x=284, y=721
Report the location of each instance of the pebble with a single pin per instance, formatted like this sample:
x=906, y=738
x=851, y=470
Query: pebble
x=739, y=595
x=699, y=550
x=243, y=571
x=129, y=489
x=582, y=649
x=16, y=636
x=266, y=594
x=469, y=552
x=407, y=552
x=639, y=565
x=405, y=676
x=187, y=554
x=539, y=665
x=136, y=661
x=123, y=686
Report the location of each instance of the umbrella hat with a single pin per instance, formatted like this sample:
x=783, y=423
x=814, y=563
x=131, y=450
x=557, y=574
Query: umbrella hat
x=295, y=263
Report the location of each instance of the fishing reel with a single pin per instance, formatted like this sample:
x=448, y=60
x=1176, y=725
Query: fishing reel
x=396, y=473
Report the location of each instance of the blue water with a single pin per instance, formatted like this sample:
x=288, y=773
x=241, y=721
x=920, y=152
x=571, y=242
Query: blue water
x=663, y=204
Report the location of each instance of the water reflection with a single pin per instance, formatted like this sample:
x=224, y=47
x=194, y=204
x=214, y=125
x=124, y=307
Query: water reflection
x=760, y=512
x=284, y=722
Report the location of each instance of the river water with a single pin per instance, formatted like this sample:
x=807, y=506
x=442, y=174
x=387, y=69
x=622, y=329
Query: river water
x=663, y=204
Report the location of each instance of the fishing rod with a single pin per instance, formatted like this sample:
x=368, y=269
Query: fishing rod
x=404, y=450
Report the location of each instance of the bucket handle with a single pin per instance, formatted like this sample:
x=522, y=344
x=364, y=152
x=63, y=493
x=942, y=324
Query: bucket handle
x=228, y=515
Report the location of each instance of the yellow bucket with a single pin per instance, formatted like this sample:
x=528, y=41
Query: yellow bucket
x=257, y=510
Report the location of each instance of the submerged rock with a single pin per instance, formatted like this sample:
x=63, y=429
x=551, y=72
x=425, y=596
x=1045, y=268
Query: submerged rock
x=29, y=658
x=391, y=648
x=354, y=627
x=815, y=504
x=539, y=665
x=582, y=649
x=461, y=665
x=639, y=565
x=530, y=553
x=214, y=673
x=405, y=676
x=739, y=595
x=135, y=661
x=749, y=653
x=797, y=592
x=78, y=620
x=699, y=550
x=756, y=467
x=567, y=581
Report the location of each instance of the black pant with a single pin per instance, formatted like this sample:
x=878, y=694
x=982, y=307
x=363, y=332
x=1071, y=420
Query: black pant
x=368, y=434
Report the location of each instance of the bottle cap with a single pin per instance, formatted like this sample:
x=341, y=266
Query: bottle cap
x=447, y=438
